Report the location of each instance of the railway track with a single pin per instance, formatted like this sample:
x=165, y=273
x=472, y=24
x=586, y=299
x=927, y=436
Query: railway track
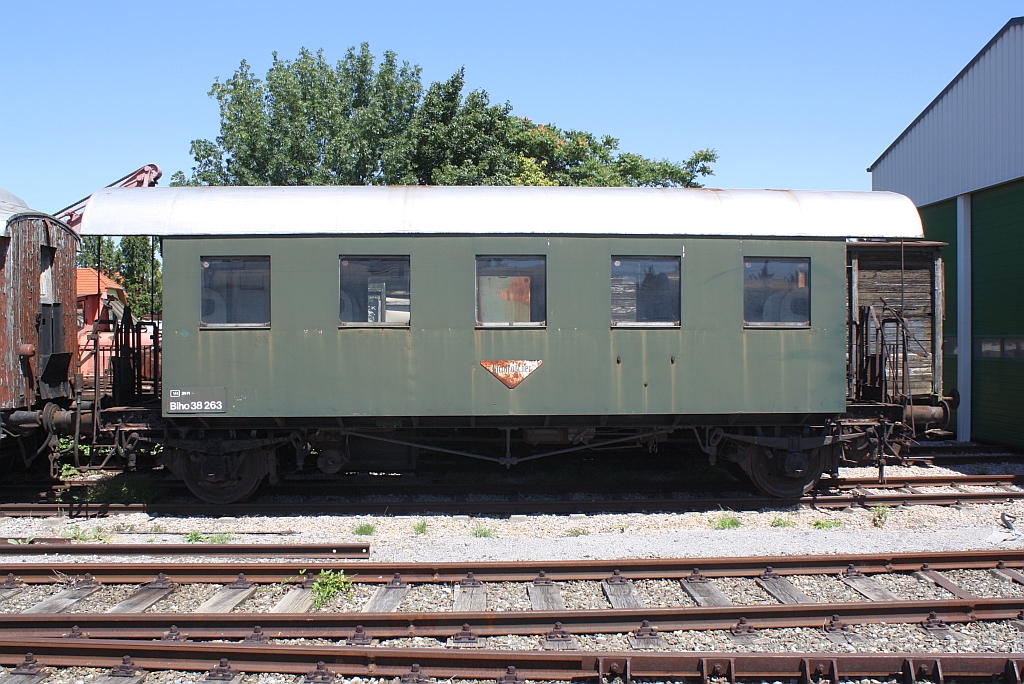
x=708, y=609
x=834, y=493
x=366, y=643
x=36, y=546
x=322, y=664
x=336, y=488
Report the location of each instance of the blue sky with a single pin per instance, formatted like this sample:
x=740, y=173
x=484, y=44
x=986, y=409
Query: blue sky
x=792, y=94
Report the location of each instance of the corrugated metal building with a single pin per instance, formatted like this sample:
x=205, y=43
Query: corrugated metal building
x=962, y=163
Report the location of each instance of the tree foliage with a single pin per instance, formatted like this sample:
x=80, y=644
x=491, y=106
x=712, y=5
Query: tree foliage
x=133, y=265
x=358, y=123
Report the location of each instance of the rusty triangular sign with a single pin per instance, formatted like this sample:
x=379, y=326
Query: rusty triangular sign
x=511, y=372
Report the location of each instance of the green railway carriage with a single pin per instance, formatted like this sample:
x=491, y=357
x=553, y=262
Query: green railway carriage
x=370, y=325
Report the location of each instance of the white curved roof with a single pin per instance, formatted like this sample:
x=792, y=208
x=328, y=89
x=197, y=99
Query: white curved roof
x=10, y=204
x=405, y=210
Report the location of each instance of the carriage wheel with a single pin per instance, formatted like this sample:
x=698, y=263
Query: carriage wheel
x=769, y=472
x=222, y=479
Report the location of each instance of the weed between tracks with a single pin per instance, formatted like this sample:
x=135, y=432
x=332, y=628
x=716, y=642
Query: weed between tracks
x=826, y=524
x=328, y=585
x=783, y=522
x=726, y=521
x=97, y=533
x=365, y=528
x=879, y=515
x=576, y=532
x=420, y=527
x=483, y=532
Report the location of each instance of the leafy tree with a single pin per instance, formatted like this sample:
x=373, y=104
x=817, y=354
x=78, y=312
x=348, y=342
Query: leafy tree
x=354, y=123
x=132, y=266
x=140, y=275
x=110, y=256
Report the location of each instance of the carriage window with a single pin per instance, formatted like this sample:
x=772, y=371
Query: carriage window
x=46, y=257
x=949, y=346
x=776, y=292
x=236, y=292
x=988, y=348
x=645, y=291
x=510, y=291
x=1013, y=348
x=374, y=291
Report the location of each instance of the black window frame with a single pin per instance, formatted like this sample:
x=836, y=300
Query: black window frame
x=679, y=293
x=203, y=325
x=778, y=325
x=1017, y=351
x=368, y=324
x=980, y=351
x=529, y=325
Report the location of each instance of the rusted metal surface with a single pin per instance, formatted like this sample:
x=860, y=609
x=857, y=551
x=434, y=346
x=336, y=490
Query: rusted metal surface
x=711, y=501
x=513, y=666
x=145, y=177
x=510, y=372
x=440, y=625
x=264, y=572
x=20, y=490
x=157, y=550
x=38, y=349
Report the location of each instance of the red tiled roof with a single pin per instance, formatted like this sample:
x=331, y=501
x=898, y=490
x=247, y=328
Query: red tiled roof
x=87, y=282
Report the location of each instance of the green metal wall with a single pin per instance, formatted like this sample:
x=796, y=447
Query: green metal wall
x=997, y=231
x=940, y=225
x=305, y=366
x=997, y=243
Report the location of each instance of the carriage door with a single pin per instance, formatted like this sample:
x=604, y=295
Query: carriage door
x=53, y=358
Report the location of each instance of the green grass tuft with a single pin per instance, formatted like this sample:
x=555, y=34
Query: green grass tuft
x=327, y=585
x=779, y=521
x=576, y=532
x=195, y=537
x=97, y=533
x=880, y=515
x=483, y=532
x=365, y=528
x=826, y=524
x=726, y=521
x=420, y=527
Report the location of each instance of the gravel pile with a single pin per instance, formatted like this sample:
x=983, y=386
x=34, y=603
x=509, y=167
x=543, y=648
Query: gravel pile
x=910, y=588
x=104, y=598
x=625, y=535
x=584, y=596
x=352, y=601
x=662, y=593
x=29, y=596
x=184, y=599
x=265, y=598
x=507, y=596
x=412, y=642
x=424, y=598
x=743, y=590
x=825, y=588
x=983, y=583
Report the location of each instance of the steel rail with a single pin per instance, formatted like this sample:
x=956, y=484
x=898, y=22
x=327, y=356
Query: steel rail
x=522, y=571
x=501, y=623
x=528, y=665
x=352, y=551
x=848, y=499
x=342, y=488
